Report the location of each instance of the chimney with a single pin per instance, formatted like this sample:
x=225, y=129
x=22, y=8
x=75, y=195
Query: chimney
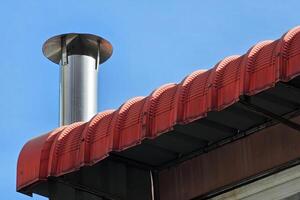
x=78, y=56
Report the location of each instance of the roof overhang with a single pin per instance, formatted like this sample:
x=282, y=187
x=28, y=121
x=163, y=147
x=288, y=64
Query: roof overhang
x=239, y=96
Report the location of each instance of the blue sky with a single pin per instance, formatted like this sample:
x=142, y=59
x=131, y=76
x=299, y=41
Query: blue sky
x=155, y=42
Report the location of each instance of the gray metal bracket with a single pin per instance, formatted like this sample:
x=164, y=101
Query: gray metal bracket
x=246, y=101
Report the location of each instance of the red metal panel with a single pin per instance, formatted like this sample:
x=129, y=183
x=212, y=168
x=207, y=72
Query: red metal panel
x=161, y=110
x=45, y=153
x=28, y=169
x=195, y=99
x=251, y=65
x=291, y=53
x=64, y=153
x=225, y=85
x=181, y=94
x=102, y=139
x=261, y=67
x=95, y=135
x=127, y=128
x=33, y=159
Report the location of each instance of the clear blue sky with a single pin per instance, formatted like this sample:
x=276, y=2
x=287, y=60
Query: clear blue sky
x=155, y=42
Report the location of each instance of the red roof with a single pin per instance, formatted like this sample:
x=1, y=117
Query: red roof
x=80, y=144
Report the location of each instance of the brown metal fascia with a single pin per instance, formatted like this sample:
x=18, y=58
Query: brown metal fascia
x=260, y=154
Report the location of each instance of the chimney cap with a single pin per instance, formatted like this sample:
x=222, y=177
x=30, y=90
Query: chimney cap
x=79, y=44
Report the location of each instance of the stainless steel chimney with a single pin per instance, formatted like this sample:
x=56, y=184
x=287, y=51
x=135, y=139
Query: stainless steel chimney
x=79, y=56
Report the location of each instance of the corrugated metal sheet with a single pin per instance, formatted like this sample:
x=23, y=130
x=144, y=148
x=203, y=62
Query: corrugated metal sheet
x=69, y=148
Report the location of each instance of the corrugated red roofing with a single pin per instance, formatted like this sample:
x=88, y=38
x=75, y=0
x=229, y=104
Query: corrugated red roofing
x=68, y=148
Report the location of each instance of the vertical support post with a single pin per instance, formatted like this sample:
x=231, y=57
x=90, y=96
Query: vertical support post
x=154, y=184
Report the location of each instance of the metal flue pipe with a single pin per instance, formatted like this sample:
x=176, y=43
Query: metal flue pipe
x=79, y=56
